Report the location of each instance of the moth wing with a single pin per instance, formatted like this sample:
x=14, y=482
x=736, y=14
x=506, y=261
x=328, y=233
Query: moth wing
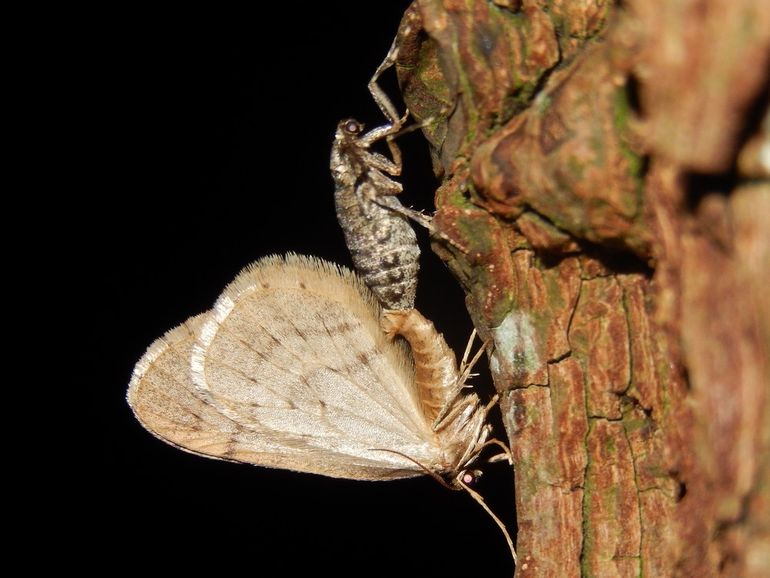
x=163, y=397
x=165, y=401
x=293, y=352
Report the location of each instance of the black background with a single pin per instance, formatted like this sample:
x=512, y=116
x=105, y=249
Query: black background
x=212, y=141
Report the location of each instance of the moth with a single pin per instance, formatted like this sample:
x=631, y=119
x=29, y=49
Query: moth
x=292, y=369
x=296, y=367
x=381, y=240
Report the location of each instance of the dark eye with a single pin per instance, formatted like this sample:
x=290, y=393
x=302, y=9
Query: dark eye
x=353, y=126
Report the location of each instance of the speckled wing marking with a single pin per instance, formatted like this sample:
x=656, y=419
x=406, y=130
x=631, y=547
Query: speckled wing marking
x=162, y=395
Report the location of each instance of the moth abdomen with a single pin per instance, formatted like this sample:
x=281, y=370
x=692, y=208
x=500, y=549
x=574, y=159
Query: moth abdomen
x=390, y=274
x=380, y=238
x=435, y=365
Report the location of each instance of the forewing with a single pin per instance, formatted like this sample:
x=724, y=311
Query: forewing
x=293, y=349
x=289, y=370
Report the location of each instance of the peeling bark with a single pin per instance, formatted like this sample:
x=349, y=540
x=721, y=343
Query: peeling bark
x=605, y=206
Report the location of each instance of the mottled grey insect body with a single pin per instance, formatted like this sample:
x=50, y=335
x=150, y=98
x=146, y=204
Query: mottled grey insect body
x=376, y=226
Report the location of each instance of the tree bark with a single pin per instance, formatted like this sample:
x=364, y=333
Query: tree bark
x=605, y=205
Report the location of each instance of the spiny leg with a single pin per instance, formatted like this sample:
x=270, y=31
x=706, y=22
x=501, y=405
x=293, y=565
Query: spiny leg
x=465, y=366
x=389, y=132
x=464, y=362
x=379, y=96
x=415, y=216
x=386, y=105
x=463, y=373
x=389, y=111
x=411, y=19
x=505, y=455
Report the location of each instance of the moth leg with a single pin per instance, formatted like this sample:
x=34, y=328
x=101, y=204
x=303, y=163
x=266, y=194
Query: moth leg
x=411, y=19
x=381, y=163
x=481, y=432
x=388, y=132
x=464, y=373
x=504, y=455
x=464, y=361
x=465, y=366
x=379, y=96
x=376, y=134
x=395, y=152
x=396, y=207
x=386, y=105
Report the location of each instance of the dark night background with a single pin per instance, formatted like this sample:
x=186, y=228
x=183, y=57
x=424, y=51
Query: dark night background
x=214, y=139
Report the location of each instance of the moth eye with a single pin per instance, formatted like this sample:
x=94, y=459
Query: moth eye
x=353, y=126
x=470, y=477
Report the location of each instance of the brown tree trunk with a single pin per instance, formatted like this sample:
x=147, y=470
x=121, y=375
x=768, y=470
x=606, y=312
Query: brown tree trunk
x=605, y=204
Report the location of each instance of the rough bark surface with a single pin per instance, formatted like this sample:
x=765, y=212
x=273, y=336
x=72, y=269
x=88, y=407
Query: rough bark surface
x=606, y=206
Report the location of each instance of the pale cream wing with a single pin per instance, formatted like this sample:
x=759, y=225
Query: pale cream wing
x=293, y=351
x=164, y=400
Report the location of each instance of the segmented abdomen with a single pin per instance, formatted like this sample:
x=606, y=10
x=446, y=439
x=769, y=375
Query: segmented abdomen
x=435, y=366
x=382, y=243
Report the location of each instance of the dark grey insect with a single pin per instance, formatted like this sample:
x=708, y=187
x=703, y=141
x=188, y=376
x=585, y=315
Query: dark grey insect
x=377, y=231
x=375, y=223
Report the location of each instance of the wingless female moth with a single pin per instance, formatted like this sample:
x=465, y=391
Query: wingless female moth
x=376, y=225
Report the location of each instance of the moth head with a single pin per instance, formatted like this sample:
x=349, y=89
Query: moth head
x=350, y=127
x=467, y=477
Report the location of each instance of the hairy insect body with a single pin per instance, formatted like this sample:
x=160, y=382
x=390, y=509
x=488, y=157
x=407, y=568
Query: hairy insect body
x=292, y=369
x=376, y=226
x=438, y=380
